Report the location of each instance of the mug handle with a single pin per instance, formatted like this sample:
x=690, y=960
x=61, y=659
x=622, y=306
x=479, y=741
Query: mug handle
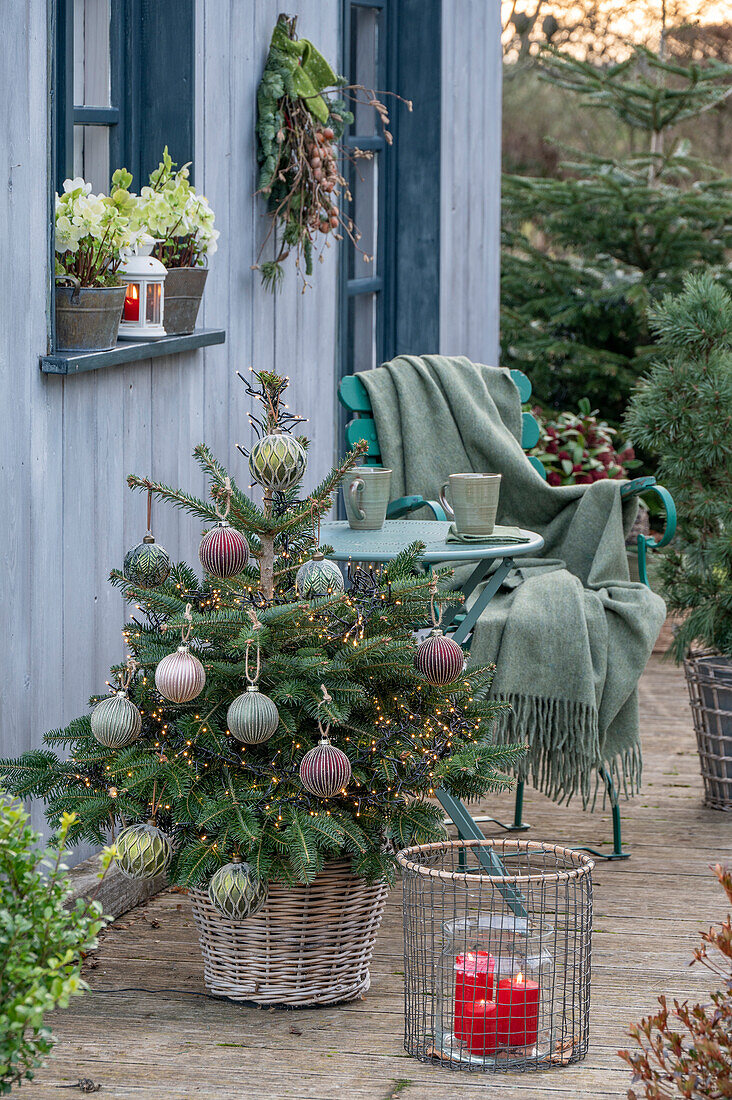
x=443, y=501
x=357, y=486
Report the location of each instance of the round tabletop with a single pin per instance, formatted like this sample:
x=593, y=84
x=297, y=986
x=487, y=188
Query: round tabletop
x=389, y=541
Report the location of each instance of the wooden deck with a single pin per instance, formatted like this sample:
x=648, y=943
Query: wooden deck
x=170, y=1043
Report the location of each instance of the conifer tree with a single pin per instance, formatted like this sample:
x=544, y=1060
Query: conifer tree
x=344, y=659
x=586, y=254
x=682, y=414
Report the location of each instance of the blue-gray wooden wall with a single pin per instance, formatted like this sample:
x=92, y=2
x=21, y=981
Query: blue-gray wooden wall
x=66, y=445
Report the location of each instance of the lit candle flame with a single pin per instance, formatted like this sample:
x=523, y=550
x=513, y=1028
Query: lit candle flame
x=520, y=978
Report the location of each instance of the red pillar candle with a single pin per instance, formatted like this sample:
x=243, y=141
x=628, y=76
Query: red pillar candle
x=480, y=1027
x=132, y=302
x=473, y=982
x=518, y=1011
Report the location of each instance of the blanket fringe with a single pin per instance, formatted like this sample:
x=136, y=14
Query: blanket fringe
x=563, y=754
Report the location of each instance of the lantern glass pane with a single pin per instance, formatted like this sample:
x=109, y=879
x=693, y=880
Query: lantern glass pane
x=152, y=304
x=132, y=302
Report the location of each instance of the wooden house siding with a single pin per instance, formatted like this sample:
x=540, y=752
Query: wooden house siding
x=67, y=444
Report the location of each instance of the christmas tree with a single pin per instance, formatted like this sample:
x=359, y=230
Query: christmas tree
x=584, y=255
x=682, y=412
x=269, y=714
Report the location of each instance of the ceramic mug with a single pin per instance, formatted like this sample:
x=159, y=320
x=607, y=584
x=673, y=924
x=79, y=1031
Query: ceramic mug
x=474, y=502
x=366, y=491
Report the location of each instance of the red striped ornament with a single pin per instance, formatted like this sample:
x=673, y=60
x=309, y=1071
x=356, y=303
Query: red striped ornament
x=440, y=659
x=180, y=676
x=325, y=770
x=224, y=551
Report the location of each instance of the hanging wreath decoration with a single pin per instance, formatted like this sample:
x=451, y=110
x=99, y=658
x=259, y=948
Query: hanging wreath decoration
x=302, y=113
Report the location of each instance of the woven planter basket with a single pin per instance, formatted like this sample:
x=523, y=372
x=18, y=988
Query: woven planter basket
x=709, y=679
x=308, y=945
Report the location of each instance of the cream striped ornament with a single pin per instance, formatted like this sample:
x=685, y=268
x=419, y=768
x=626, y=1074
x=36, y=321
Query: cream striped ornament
x=252, y=717
x=325, y=770
x=116, y=721
x=440, y=659
x=223, y=551
x=180, y=676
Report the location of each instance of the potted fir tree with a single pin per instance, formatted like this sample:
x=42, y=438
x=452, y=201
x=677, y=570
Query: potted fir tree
x=92, y=238
x=682, y=412
x=273, y=757
x=182, y=224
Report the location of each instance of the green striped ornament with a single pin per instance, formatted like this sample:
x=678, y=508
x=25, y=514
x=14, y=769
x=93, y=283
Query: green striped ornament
x=116, y=721
x=252, y=717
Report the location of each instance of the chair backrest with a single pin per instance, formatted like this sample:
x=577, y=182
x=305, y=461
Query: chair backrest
x=353, y=396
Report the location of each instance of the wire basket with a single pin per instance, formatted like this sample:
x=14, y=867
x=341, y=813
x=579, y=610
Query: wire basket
x=497, y=967
x=709, y=679
x=308, y=945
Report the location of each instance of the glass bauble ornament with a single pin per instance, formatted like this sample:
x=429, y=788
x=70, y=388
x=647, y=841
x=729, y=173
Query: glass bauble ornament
x=147, y=565
x=180, y=676
x=318, y=577
x=439, y=658
x=223, y=551
x=116, y=721
x=325, y=770
x=236, y=892
x=252, y=717
x=277, y=461
x=143, y=851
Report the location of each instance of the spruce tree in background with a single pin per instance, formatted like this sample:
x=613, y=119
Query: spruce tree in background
x=585, y=255
x=682, y=414
x=219, y=768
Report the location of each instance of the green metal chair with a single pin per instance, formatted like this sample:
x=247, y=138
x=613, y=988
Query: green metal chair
x=353, y=396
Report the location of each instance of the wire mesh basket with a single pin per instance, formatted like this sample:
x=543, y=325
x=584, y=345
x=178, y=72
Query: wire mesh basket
x=497, y=966
x=709, y=679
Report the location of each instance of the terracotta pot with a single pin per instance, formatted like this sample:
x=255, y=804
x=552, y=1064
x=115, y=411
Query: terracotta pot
x=87, y=318
x=183, y=293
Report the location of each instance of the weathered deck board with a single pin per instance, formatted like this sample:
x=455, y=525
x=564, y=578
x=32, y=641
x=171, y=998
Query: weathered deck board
x=179, y=1045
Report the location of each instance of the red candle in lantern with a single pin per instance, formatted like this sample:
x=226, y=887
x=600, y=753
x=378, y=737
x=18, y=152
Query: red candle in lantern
x=132, y=302
x=473, y=982
x=479, y=1023
x=518, y=1011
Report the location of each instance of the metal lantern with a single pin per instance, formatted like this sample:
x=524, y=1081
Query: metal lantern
x=144, y=308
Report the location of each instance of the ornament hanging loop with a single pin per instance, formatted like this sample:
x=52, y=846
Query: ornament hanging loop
x=253, y=680
x=435, y=613
x=187, y=628
x=225, y=494
x=125, y=678
x=149, y=511
x=327, y=698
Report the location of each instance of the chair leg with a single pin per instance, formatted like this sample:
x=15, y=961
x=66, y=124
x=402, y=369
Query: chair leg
x=617, y=852
x=518, y=825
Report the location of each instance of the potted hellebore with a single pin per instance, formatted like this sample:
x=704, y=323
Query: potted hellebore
x=92, y=239
x=182, y=224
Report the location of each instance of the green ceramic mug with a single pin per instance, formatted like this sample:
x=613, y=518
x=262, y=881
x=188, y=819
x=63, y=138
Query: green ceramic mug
x=474, y=502
x=366, y=491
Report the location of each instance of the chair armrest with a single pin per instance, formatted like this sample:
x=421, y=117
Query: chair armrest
x=645, y=542
x=405, y=505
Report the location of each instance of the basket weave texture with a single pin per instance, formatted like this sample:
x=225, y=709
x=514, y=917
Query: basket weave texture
x=709, y=679
x=308, y=945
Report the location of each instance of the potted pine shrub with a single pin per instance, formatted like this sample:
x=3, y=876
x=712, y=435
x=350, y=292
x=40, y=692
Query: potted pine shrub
x=682, y=412
x=92, y=237
x=182, y=223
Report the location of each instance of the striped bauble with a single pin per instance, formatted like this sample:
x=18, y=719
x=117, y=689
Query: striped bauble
x=224, y=551
x=236, y=892
x=116, y=721
x=252, y=717
x=325, y=770
x=148, y=564
x=439, y=659
x=180, y=676
x=318, y=577
x=142, y=851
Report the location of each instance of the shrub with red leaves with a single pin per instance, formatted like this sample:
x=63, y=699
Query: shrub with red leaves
x=577, y=448
x=686, y=1051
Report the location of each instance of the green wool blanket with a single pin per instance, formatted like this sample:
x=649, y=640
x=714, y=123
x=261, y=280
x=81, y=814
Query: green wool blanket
x=569, y=632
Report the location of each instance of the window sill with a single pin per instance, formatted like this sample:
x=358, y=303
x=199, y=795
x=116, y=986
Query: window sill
x=129, y=351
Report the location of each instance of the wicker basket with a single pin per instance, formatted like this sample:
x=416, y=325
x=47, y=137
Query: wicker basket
x=710, y=689
x=309, y=945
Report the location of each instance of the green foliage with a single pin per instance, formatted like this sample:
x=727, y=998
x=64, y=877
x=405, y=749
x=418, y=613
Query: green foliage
x=216, y=797
x=577, y=448
x=584, y=255
x=41, y=942
x=682, y=414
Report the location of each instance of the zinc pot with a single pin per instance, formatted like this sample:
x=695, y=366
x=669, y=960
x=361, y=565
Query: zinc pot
x=183, y=293
x=308, y=945
x=709, y=679
x=87, y=318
